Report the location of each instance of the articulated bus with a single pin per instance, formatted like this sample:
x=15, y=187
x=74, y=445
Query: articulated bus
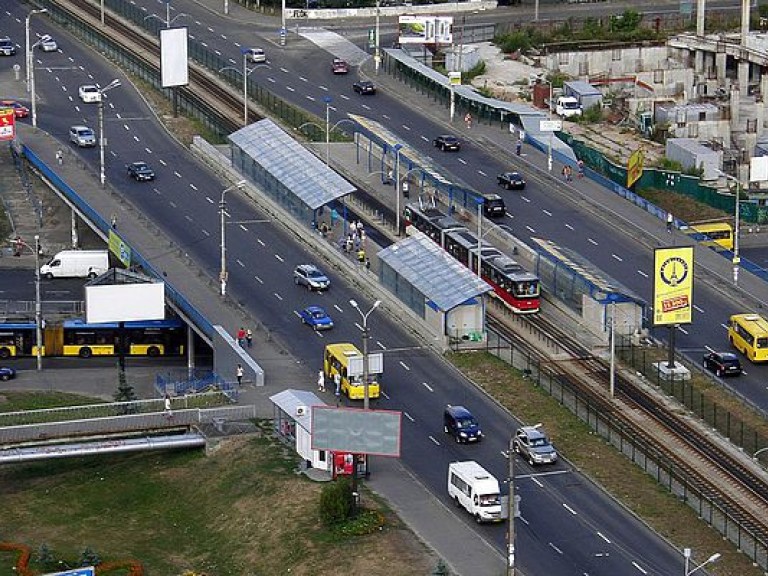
x=77, y=338
x=719, y=233
x=515, y=286
x=748, y=333
x=336, y=361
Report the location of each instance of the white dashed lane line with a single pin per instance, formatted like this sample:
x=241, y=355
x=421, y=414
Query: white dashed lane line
x=591, y=241
x=404, y=365
x=427, y=386
x=569, y=227
x=642, y=273
x=616, y=257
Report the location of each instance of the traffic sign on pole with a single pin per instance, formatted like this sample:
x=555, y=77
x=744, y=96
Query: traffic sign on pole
x=86, y=571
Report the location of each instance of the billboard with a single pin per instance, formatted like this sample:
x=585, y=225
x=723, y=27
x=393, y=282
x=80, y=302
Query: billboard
x=635, y=166
x=136, y=302
x=7, y=124
x=356, y=431
x=673, y=286
x=174, y=70
x=425, y=30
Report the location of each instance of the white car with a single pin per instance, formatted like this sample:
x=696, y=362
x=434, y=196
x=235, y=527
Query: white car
x=89, y=93
x=49, y=45
x=255, y=55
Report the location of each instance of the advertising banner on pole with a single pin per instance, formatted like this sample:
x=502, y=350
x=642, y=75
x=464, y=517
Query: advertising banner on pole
x=635, y=166
x=673, y=286
x=7, y=124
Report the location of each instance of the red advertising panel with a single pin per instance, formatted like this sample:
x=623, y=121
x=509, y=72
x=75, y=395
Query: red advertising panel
x=7, y=124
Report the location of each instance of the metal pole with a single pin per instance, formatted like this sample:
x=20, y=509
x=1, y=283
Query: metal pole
x=327, y=133
x=226, y=8
x=549, y=149
x=377, y=53
x=167, y=14
x=102, y=11
x=397, y=190
x=511, y=512
x=479, y=233
x=245, y=90
x=736, y=259
x=102, y=177
x=34, y=98
x=366, y=394
x=38, y=307
x=223, y=271
x=283, y=29
x=613, y=349
x=27, y=56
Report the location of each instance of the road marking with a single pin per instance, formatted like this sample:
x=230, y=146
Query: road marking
x=193, y=187
x=591, y=241
x=359, y=327
x=404, y=365
x=210, y=200
x=188, y=218
x=319, y=333
x=434, y=440
x=259, y=280
x=643, y=274
x=604, y=537
x=243, y=228
x=569, y=227
x=571, y=510
x=683, y=330
x=547, y=212
x=408, y=416
x=380, y=345
x=260, y=241
x=278, y=296
x=163, y=163
x=283, y=70
x=338, y=308
x=382, y=393
x=270, y=79
x=531, y=230
x=616, y=257
x=279, y=257
x=323, y=88
x=147, y=150
x=555, y=548
x=343, y=97
x=223, y=37
x=424, y=138
x=177, y=174
x=462, y=160
x=240, y=263
x=537, y=482
x=636, y=565
x=290, y=89
x=302, y=79
x=526, y=199
x=210, y=29
x=312, y=98
x=365, y=106
x=427, y=386
x=482, y=173
x=204, y=231
x=172, y=204
x=698, y=309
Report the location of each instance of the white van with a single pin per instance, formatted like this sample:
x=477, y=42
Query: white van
x=76, y=264
x=567, y=106
x=475, y=489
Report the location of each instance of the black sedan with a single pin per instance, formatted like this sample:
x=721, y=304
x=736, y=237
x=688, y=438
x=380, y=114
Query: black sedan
x=141, y=172
x=364, y=87
x=511, y=180
x=723, y=363
x=446, y=142
x=7, y=373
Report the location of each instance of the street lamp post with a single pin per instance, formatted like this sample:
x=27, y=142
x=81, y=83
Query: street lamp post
x=737, y=221
x=27, y=47
x=479, y=233
x=397, y=148
x=328, y=101
x=32, y=78
x=687, y=554
x=223, y=245
x=38, y=307
x=377, y=52
x=511, y=511
x=366, y=336
x=102, y=143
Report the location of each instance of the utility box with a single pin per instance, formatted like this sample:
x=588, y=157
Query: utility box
x=587, y=95
x=692, y=154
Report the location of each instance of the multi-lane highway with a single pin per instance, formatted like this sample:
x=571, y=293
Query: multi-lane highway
x=568, y=526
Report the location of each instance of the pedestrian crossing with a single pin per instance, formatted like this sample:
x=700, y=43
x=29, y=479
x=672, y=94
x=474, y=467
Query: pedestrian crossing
x=336, y=44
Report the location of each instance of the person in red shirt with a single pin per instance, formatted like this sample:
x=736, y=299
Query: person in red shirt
x=240, y=336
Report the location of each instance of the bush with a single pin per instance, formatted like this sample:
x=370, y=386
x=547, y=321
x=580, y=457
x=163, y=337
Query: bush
x=337, y=504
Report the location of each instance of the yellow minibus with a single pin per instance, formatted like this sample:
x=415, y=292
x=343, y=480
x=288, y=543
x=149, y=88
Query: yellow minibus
x=748, y=333
x=336, y=361
x=720, y=234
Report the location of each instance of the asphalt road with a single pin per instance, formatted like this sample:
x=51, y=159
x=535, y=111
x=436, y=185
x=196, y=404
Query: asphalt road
x=601, y=537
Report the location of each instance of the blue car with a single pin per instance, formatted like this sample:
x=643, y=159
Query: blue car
x=7, y=373
x=316, y=317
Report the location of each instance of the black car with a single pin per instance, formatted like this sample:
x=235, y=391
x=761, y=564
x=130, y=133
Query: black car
x=364, y=87
x=7, y=373
x=511, y=180
x=459, y=423
x=141, y=172
x=493, y=205
x=723, y=363
x=446, y=142
x=7, y=47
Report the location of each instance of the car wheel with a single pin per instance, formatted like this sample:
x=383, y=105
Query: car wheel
x=530, y=460
x=445, y=429
x=477, y=519
x=706, y=366
x=456, y=501
x=516, y=447
x=458, y=439
x=5, y=377
x=49, y=276
x=296, y=281
x=5, y=353
x=153, y=351
x=85, y=352
x=309, y=287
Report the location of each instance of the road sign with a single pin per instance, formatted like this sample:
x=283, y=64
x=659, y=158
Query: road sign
x=87, y=571
x=551, y=125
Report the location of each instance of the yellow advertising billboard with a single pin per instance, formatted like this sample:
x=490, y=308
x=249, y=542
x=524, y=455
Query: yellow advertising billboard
x=673, y=286
x=7, y=124
x=120, y=249
x=635, y=166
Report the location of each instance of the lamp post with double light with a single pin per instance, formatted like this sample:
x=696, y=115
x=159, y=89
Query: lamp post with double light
x=102, y=142
x=223, y=244
x=687, y=554
x=44, y=38
x=366, y=336
x=737, y=221
x=38, y=308
x=27, y=47
x=245, y=73
x=397, y=148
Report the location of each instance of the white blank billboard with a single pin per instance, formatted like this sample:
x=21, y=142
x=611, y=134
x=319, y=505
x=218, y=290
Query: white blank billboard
x=174, y=70
x=124, y=302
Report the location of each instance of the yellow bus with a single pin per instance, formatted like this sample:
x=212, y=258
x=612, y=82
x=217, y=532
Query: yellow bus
x=336, y=361
x=720, y=234
x=748, y=333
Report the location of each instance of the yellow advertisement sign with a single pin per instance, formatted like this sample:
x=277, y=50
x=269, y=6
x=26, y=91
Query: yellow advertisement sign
x=673, y=286
x=120, y=249
x=635, y=166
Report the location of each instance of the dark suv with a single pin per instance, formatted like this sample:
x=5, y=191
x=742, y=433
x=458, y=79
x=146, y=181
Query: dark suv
x=141, y=172
x=511, y=180
x=459, y=423
x=723, y=363
x=532, y=443
x=493, y=206
x=446, y=142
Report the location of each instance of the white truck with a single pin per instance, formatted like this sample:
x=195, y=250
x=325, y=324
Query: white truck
x=567, y=106
x=474, y=488
x=76, y=264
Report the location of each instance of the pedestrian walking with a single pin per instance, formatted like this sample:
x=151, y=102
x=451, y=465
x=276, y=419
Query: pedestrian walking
x=361, y=256
x=60, y=157
x=113, y=221
x=240, y=336
x=580, y=164
x=18, y=246
x=352, y=228
x=670, y=222
x=568, y=174
x=239, y=374
x=320, y=381
x=249, y=337
x=337, y=384
x=168, y=410
x=468, y=120
x=518, y=147
x=349, y=244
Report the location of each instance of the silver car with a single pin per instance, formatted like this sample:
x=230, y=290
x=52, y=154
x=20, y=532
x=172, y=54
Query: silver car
x=82, y=136
x=532, y=443
x=310, y=276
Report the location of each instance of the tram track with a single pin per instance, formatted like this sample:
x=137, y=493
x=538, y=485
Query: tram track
x=700, y=456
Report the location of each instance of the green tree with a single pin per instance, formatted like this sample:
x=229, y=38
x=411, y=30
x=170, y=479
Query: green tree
x=337, y=502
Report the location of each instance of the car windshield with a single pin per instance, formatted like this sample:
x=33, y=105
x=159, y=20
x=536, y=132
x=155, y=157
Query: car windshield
x=539, y=442
x=464, y=423
x=489, y=500
x=315, y=274
x=317, y=314
x=570, y=105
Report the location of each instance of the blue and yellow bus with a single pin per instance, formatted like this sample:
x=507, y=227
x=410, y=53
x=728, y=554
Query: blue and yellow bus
x=78, y=338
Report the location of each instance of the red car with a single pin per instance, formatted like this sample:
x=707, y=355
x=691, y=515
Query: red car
x=339, y=66
x=19, y=110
